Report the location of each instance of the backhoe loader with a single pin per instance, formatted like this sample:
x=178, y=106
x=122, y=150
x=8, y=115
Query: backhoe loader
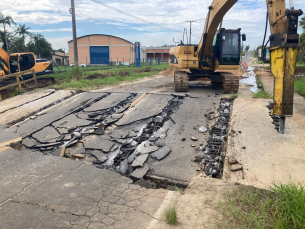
x=220, y=50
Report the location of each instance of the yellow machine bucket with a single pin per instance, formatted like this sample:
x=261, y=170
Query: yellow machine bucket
x=283, y=62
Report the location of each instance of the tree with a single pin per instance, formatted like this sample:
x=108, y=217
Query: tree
x=4, y=38
x=247, y=48
x=23, y=31
x=6, y=20
x=18, y=45
x=60, y=50
x=40, y=46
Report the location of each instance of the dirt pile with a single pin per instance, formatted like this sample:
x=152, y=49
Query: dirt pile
x=170, y=71
x=99, y=76
x=123, y=73
x=147, y=69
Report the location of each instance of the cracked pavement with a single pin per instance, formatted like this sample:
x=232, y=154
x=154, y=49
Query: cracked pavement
x=109, y=139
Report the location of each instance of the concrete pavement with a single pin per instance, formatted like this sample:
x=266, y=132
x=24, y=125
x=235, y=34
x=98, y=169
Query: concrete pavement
x=46, y=191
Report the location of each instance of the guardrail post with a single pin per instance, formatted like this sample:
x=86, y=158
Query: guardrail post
x=19, y=84
x=35, y=78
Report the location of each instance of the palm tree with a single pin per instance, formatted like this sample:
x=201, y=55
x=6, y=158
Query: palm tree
x=40, y=46
x=5, y=38
x=17, y=45
x=23, y=31
x=6, y=20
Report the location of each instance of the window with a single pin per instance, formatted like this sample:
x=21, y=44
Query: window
x=14, y=64
x=26, y=62
x=230, y=51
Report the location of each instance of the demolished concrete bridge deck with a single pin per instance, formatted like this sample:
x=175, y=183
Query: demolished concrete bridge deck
x=138, y=129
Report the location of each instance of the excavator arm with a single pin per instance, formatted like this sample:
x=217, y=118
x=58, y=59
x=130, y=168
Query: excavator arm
x=217, y=11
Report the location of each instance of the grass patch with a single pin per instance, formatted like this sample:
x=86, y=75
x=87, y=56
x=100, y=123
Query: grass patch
x=171, y=215
x=78, y=80
x=259, y=83
x=299, y=85
x=16, y=92
x=262, y=95
x=233, y=95
x=282, y=206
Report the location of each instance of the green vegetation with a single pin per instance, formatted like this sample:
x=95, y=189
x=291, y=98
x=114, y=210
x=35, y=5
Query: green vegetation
x=299, y=85
x=92, y=79
x=262, y=95
x=258, y=62
x=259, y=83
x=233, y=95
x=16, y=92
x=171, y=215
x=282, y=206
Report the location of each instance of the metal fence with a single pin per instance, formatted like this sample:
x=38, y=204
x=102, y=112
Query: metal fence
x=108, y=64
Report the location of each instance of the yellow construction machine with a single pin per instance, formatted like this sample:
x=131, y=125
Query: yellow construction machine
x=18, y=62
x=220, y=50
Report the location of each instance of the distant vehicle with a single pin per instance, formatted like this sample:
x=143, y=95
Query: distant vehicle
x=259, y=54
x=79, y=64
x=243, y=54
x=266, y=52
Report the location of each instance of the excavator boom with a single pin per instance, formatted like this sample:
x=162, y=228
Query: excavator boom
x=217, y=11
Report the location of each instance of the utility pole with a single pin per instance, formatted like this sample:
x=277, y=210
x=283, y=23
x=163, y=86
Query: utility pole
x=190, y=30
x=72, y=11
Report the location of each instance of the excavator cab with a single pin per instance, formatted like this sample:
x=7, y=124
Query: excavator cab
x=226, y=46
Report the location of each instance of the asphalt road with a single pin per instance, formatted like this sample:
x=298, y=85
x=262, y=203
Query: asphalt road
x=111, y=138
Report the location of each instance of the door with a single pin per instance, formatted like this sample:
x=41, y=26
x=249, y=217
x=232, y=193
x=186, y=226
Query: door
x=99, y=54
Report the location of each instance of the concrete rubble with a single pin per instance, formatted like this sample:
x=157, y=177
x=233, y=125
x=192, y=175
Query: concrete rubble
x=96, y=128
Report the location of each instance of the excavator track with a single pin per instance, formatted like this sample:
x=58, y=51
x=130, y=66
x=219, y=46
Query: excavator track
x=181, y=81
x=230, y=83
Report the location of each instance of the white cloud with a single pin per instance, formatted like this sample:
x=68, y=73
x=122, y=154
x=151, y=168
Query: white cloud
x=50, y=30
x=164, y=18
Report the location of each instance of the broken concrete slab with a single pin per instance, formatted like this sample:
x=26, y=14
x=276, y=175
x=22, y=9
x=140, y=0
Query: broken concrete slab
x=163, y=130
x=120, y=134
x=140, y=172
x=147, y=150
x=140, y=160
x=98, y=142
x=46, y=134
x=161, y=153
x=78, y=148
x=25, y=105
x=110, y=101
x=47, y=145
x=117, y=116
x=71, y=122
x=57, y=112
x=99, y=155
x=28, y=142
x=144, y=109
x=178, y=164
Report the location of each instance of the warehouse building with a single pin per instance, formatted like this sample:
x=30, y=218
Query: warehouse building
x=102, y=49
x=158, y=52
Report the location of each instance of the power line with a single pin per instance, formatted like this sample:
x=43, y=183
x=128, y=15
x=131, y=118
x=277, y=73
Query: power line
x=134, y=17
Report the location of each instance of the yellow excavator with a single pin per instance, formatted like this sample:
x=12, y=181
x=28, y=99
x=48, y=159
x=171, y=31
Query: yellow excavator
x=220, y=50
x=18, y=62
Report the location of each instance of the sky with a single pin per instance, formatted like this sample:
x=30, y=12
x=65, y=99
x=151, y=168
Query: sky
x=151, y=22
